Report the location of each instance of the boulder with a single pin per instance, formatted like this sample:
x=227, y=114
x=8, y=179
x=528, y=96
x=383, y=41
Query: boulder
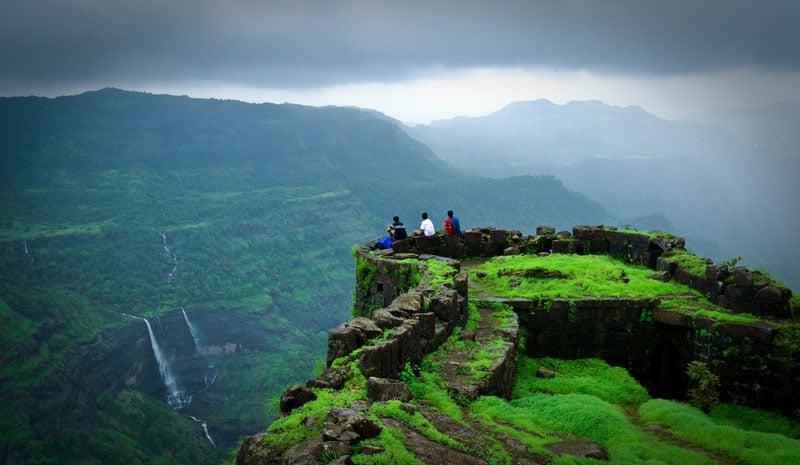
x=545, y=373
x=581, y=447
x=347, y=425
x=295, y=396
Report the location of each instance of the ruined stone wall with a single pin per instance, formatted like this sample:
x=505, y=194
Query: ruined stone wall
x=399, y=296
x=655, y=345
x=733, y=287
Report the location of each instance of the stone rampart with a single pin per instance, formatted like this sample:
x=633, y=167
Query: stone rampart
x=733, y=287
x=755, y=365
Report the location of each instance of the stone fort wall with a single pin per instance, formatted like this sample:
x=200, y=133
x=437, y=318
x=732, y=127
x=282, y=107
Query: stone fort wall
x=756, y=365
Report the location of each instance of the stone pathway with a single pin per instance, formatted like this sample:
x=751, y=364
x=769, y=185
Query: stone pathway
x=481, y=361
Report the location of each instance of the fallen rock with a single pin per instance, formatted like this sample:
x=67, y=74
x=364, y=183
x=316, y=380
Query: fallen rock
x=545, y=373
x=581, y=447
x=295, y=396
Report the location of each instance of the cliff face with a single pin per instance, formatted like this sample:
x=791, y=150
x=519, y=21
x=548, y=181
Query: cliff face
x=418, y=353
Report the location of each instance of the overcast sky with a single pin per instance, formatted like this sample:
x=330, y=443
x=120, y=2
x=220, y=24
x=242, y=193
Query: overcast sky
x=416, y=60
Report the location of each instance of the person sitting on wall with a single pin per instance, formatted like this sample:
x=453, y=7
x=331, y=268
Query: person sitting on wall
x=452, y=225
x=397, y=230
x=426, y=227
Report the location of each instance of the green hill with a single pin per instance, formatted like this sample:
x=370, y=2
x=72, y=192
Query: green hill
x=115, y=203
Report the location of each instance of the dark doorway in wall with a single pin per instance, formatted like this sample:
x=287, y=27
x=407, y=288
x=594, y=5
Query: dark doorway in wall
x=668, y=377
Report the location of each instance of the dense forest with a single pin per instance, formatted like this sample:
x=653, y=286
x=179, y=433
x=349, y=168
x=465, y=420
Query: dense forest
x=239, y=218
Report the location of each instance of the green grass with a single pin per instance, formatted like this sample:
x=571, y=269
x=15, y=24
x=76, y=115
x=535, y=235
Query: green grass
x=755, y=420
x=585, y=376
x=392, y=441
x=441, y=274
x=429, y=387
x=687, y=261
x=707, y=309
x=585, y=275
x=543, y=418
x=392, y=409
x=733, y=438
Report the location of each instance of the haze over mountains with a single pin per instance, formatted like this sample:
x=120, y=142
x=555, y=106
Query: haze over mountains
x=726, y=181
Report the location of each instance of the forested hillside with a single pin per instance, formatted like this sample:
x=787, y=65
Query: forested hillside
x=238, y=219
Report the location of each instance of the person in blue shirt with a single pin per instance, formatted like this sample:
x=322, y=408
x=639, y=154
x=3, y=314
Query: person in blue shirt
x=397, y=230
x=452, y=225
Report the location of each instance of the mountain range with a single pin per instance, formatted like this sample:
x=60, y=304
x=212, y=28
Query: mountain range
x=725, y=180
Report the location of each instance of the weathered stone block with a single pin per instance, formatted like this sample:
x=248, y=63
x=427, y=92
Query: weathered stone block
x=401, y=246
x=380, y=360
x=716, y=272
x=586, y=232
x=411, y=302
x=427, y=325
x=382, y=389
x=545, y=230
x=341, y=341
x=742, y=277
x=563, y=247
x=385, y=319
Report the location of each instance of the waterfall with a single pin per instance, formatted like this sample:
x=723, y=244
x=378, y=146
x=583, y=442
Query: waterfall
x=174, y=268
x=205, y=430
x=176, y=399
x=174, y=258
x=211, y=373
x=164, y=236
x=26, y=253
x=193, y=330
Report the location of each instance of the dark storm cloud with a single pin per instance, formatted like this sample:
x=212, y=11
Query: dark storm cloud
x=296, y=43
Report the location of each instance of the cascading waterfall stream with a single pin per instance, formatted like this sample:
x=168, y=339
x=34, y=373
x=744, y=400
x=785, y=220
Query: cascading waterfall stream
x=193, y=330
x=211, y=374
x=174, y=258
x=176, y=398
x=26, y=253
x=205, y=429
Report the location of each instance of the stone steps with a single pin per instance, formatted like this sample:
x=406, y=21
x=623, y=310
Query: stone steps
x=492, y=341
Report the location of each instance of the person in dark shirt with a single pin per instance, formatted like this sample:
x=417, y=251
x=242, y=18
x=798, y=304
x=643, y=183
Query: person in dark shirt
x=452, y=225
x=397, y=230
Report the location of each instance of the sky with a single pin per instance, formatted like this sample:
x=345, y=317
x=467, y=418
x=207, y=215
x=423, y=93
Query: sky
x=415, y=60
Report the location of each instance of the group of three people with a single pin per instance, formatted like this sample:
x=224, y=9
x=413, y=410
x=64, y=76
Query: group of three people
x=397, y=230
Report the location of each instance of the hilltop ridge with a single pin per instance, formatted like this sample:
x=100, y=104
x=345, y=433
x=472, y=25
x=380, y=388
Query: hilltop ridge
x=422, y=352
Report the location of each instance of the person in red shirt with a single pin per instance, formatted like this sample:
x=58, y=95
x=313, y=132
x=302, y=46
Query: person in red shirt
x=452, y=225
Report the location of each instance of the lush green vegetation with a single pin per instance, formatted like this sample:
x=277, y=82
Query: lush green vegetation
x=260, y=205
x=600, y=402
x=572, y=276
x=586, y=399
x=588, y=376
x=751, y=446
